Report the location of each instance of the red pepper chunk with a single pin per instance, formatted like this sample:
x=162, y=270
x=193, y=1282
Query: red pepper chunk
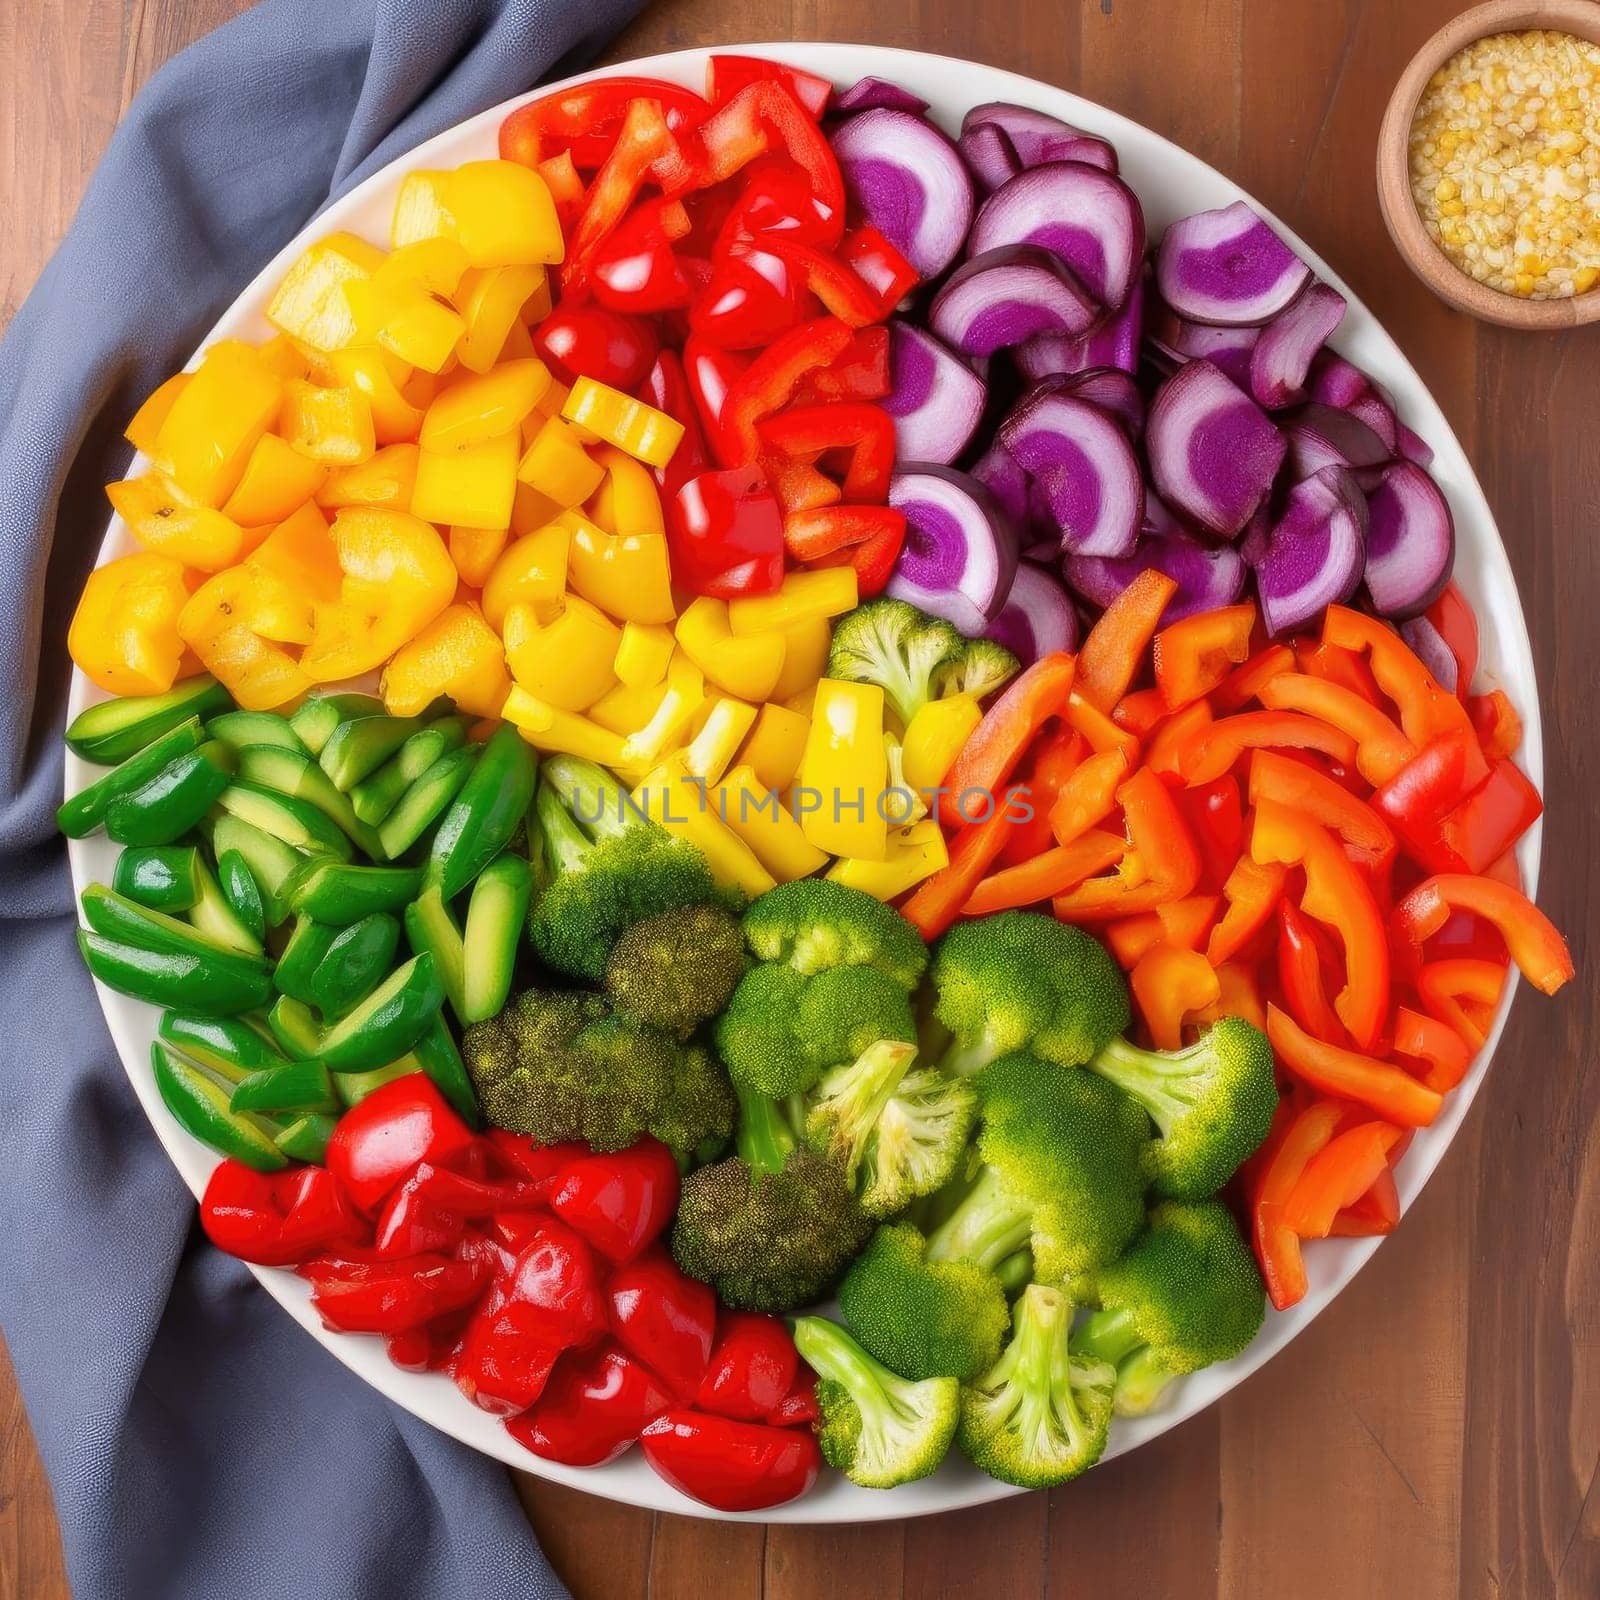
x=380, y=1141
x=620, y=1202
x=747, y=126
x=859, y=372
x=815, y=535
x=725, y=533
x=280, y=1218
x=1496, y=722
x=1193, y=656
x=1115, y=646
x=1445, y=1055
x=1252, y=891
x=733, y=1466
x=663, y=1318
x=1394, y=1095
x=1300, y=977
x=770, y=381
x=726, y=75
x=1533, y=941
x=1492, y=818
x=1362, y=831
x=1455, y=623
x=596, y=1403
x=1337, y=1176
x=392, y=1296
x=1295, y=1139
x=991, y=756
x=584, y=118
x=1381, y=749
x=753, y=1366
x=1161, y=866
x=754, y=294
x=1219, y=746
x=862, y=434
x=873, y=557
x=1168, y=985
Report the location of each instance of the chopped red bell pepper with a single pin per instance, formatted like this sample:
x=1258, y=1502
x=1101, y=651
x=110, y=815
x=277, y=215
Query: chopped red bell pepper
x=1243, y=684
x=859, y=372
x=1056, y=755
x=595, y=1404
x=860, y=285
x=431, y=1208
x=725, y=534
x=1240, y=997
x=1175, y=736
x=1088, y=794
x=1163, y=864
x=1492, y=818
x=380, y=1141
x=355, y=1296
x=874, y=557
x=1418, y=798
x=667, y=389
x=859, y=434
x=642, y=141
x=1462, y=991
x=1296, y=1138
x=619, y=1202
x=1195, y=655
x=727, y=75
x=1445, y=1055
x=753, y=1366
x=1454, y=621
x=1533, y=941
x=1394, y=1095
x=1300, y=977
x=1051, y=872
x=733, y=1466
x=769, y=383
x=937, y=901
x=1381, y=748
x=1334, y=664
x=1288, y=782
x=1337, y=1176
x=561, y=178
x=584, y=119
x=993, y=753
x=755, y=294
x=799, y=487
x=532, y=1163
x=1216, y=819
x=589, y=341
x=1098, y=729
x=1496, y=723
x=886, y=272
x=276, y=1219
x=1252, y=891
x=1140, y=711
x=822, y=531
x=1214, y=751
x=776, y=197
x=663, y=1318
x=635, y=269
x=1114, y=648
x=1376, y=1213
x=1168, y=985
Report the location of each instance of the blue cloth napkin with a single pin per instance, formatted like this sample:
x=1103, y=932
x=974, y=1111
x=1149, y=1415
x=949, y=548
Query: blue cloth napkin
x=199, y=1444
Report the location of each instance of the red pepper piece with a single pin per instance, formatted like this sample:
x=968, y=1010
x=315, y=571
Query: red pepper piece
x=1278, y=1166
x=1282, y=779
x=663, y=1318
x=635, y=270
x=1496, y=723
x=811, y=537
x=277, y=1219
x=1301, y=979
x=733, y=1466
x=1054, y=758
x=428, y=1348
x=380, y=1141
x=1216, y=819
x=667, y=389
x=1376, y=1213
x=759, y=117
x=753, y=1367
x=798, y=1408
x=391, y=1296
x=886, y=272
x=1462, y=992
x=1195, y=655
x=1532, y=940
x=1175, y=736
x=1445, y=1055
x=1216, y=749
x=1336, y=665
x=1395, y=1095
x=875, y=556
x=769, y=383
x=619, y=1202
x=1140, y=711
x=725, y=534
x=1163, y=864
x=859, y=372
x=585, y=118
x=1168, y=985
x=1492, y=818
x=1239, y=996
x=1253, y=892
x=596, y=1403
x=777, y=198
x=937, y=901
x=642, y=141
x=754, y=295
x=1112, y=652
x=799, y=487
x=1381, y=748
x=1422, y=793
x=591, y=342
x=1337, y=1176
x=560, y=174
x=862, y=434
x=726, y=75
x=431, y=1209
x=1087, y=795
x=711, y=376
x=1054, y=871
x=533, y=1163
x=1242, y=685
x=1453, y=619
x=997, y=745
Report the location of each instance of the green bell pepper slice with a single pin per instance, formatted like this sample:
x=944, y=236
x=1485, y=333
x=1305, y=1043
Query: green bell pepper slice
x=184, y=980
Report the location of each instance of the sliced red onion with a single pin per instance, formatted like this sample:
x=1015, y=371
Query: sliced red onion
x=1376, y=410
x=1429, y=647
x=1283, y=353
x=1213, y=451
x=1005, y=296
x=1322, y=436
x=1227, y=266
x=1091, y=219
x=1158, y=517
x=990, y=154
x=997, y=470
x=1228, y=349
x=1114, y=343
x=1413, y=446
x=1411, y=541
x=1334, y=381
x=1207, y=575
x=1113, y=390
x=937, y=400
x=1081, y=458
x=1038, y=617
x=1313, y=553
x=910, y=182
x=878, y=94
x=960, y=553
x=1037, y=137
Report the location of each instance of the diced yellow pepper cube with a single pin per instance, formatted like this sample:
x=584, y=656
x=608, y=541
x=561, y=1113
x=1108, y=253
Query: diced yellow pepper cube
x=163, y=521
x=915, y=853
x=277, y=479
x=538, y=305
x=746, y=667
x=807, y=595
x=566, y=662
x=423, y=331
x=310, y=304
x=229, y=623
x=371, y=373
x=206, y=438
x=711, y=751
x=756, y=813
x=490, y=301
x=640, y=430
x=628, y=575
x=669, y=723
x=300, y=552
x=674, y=800
x=558, y=732
x=386, y=478
x=845, y=771
x=519, y=343
x=557, y=465
x=328, y=425
x=532, y=572
x=474, y=487
x=142, y=431
x=627, y=502
x=643, y=655
x=934, y=738
x=531, y=510
x=427, y=266
x=775, y=746
x=475, y=551
x=421, y=210
x=484, y=406
x=457, y=654
x=626, y=709
x=805, y=657
x=124, y=631
x=503, y=214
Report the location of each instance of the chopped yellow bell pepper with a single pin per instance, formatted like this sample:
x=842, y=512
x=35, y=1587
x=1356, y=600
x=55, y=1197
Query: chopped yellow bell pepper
x=531, y=510
x=775, y=746
x=532, y=572
x=124, y=634
x=143, y=430
x=625, y=709
x=746, y=667
x=329, y=425
x=808, y=595
x=422, y=331
x=556, y=732
x=538, y=305
x=397, y=577
x=420, y=389
x=934, y=738
x=484, y=406
x=503, y=214
x=805, y=658
x=490, y=301
x=162, y=520
x=426, y=266
x=628, y=575
x=206, y=438
x=627, y=501
x=640, y=430
x=713, y=748
x=277, y=480
x=915, y=853
x=378, y=376
x=557, y=465
x=674, y=800
x=680, y=703
x=643, y=655
x=844, y=772
x=475, y=551
x=310, y=304
x=300, y=552
x=756, y=813
x=474, y=487
x=420, y=211
x=566, y=662
x=457, y=654
x=386, y=478
x=229, y=624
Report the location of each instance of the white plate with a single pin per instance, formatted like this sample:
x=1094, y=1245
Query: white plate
x=1171, y=183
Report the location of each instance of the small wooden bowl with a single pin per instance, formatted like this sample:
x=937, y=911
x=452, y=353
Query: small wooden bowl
x=1578, y=17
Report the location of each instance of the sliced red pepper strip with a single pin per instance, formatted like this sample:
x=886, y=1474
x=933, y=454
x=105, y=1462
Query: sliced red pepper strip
x=1284, y=1158
x=667, y=389
x=1242, y=685
x=1376, y=1213
x=1492, y=818
x=874, y=558
x=752, y=297
x=879, y=265
x=1497, y=724
x=1337, y=1176
x=1252, y=891
x=1169, y=983
x=1334, y=664
x=1111, y=655
x=711, y=375
x=1240, y=997
x=811, y=535
x=727, y=75
x=1101, y=732
x=1195, y=655
x=1050, y=873
x=1214, y=751
x=1163, y=864
x=937, y=901
x=863, y=432
x=643, y=139
x=584, y=119
x=842, y=292
x=1533, y=941
x=566, y=189
x=1131, y=937
x=277, y=1219
x=1216, y=819
x=800, y=487
x=1381, y=748
x=997, y=745
x=1445, y=1054
x=743, y=128
x=1056, y=755
x=1422, y=793
x=1394, y=1095
x=1178, y=733
x=1183, y=924
x=1454, y=621
x=1088, y=795
x=1447, y=987
x=1140, y=711
x=1292, y=783
x=859, y=372
x=1300, y=977
x=769, y=382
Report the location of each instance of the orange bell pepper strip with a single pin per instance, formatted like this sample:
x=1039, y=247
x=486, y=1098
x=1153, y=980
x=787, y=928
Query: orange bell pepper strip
x=1337, y=1176
x=1445, y=1055
x=997, y=745
x=1239, y=996
x=937, y=900
x=1288, y=1152
x=1498, y=726
x=1100, y=731
x=1050, y=765
x=1252, y=891
x=1168, y=984
x=1463, y=991
x=1129, y=939
x=1163, y=864
x=1183, y=924
x=1176, y=734
x=1139, y=711
x=1395, y=1095
x=1052, y=872
x=1088, y=796
x=1196, y=655
x=1381, y=748
x=1109, y=657
x=1364, y=834
x=1242, y=685
x=1531, y=938
x=1337, y=894
x=1300, y=977
x=1337, y=665
x=1213, y=752
x=1376, y=1213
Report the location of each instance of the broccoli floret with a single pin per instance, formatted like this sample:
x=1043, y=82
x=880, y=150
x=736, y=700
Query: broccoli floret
x=696, y=1119
x=894, y=645
x=676, y=970
x=979, y=668
x=921, y=1318
x=845, y=1009
x=879, y=1429
x=1040, y=1415
x=1062, y=1172
x=1185, y=1295
x=608, y=867
x=898, y=1134
x=1021, y=980
x=1212, y=1102
x=814, y=924
x=771, y=1227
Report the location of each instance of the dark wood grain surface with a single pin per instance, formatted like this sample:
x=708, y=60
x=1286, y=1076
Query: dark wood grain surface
x=1437, y=1432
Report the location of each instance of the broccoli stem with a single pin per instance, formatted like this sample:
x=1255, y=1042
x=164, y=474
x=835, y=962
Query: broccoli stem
x=1141, y=1382
x=1108, y=1336
x=566, y=846
x=602, y=807
x=764, y=1140
x=989, y=1225
x=961, y=1061
x=1160, y=1083
x=1015, y=1272
x=831, y=1353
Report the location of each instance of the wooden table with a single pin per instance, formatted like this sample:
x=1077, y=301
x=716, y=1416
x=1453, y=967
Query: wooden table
x=1437, y=1432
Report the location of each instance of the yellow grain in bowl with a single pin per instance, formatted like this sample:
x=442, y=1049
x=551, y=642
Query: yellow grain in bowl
x=1505, y=162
